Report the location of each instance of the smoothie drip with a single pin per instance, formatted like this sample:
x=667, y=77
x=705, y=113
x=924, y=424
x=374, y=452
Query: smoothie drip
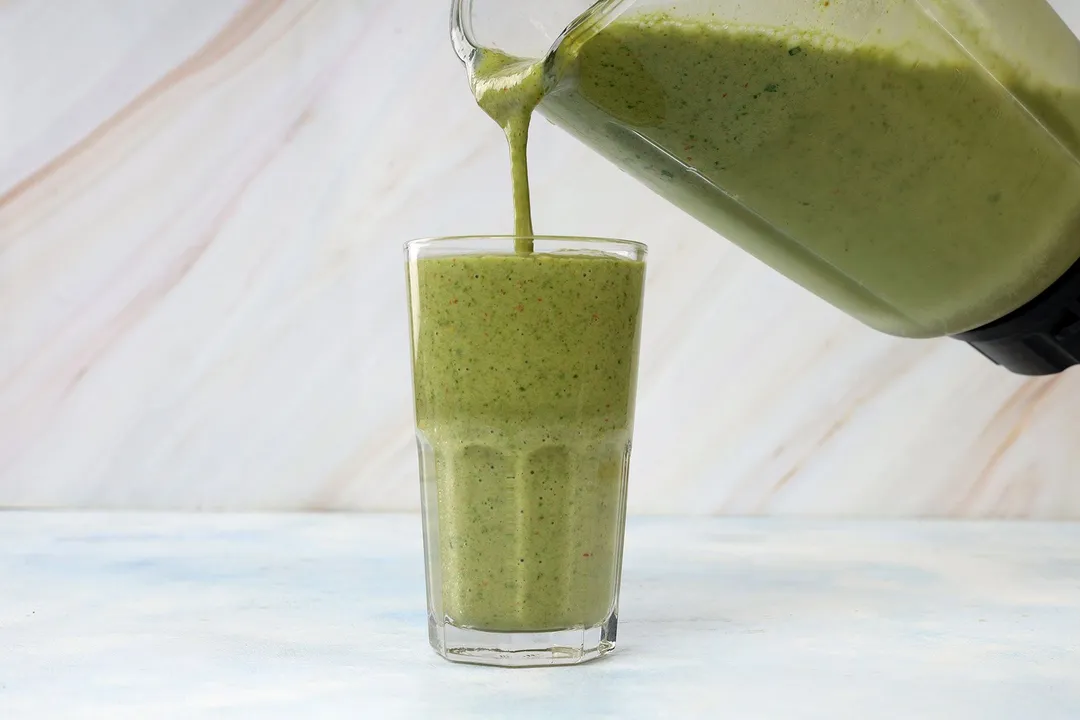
x=508, y=89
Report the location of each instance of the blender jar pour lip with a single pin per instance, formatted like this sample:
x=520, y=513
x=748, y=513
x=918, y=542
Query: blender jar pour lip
x=461, y=32
x=463, y=36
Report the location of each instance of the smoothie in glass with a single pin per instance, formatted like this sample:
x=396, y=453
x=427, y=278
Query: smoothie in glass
x=524, y=376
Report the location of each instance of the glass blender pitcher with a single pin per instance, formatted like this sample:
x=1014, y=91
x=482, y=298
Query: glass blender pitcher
x=916, y=163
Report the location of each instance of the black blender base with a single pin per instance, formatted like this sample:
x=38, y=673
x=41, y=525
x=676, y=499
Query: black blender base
x=1042, y=337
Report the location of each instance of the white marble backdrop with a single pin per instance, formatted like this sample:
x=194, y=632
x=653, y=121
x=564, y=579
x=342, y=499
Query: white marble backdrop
x=202, y=204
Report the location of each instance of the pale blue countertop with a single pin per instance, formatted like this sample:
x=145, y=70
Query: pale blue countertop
x=300, y=616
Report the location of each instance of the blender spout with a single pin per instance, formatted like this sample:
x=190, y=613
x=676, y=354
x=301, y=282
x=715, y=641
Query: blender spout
x=526, y=29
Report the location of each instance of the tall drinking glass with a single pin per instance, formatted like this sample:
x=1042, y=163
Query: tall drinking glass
x=524, y=375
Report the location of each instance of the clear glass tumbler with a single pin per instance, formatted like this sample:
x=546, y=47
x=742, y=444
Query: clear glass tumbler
x=524, y=375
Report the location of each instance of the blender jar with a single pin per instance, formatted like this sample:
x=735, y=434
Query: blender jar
x=916, y=163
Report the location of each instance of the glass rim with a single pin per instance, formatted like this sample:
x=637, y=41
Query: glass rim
x=579, y=239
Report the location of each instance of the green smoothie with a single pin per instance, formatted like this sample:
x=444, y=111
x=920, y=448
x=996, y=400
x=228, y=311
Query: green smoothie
x=908, y=188
x=524, y=373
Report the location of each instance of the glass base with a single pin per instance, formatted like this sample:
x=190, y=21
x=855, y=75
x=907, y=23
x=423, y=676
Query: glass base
x=522, y=649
